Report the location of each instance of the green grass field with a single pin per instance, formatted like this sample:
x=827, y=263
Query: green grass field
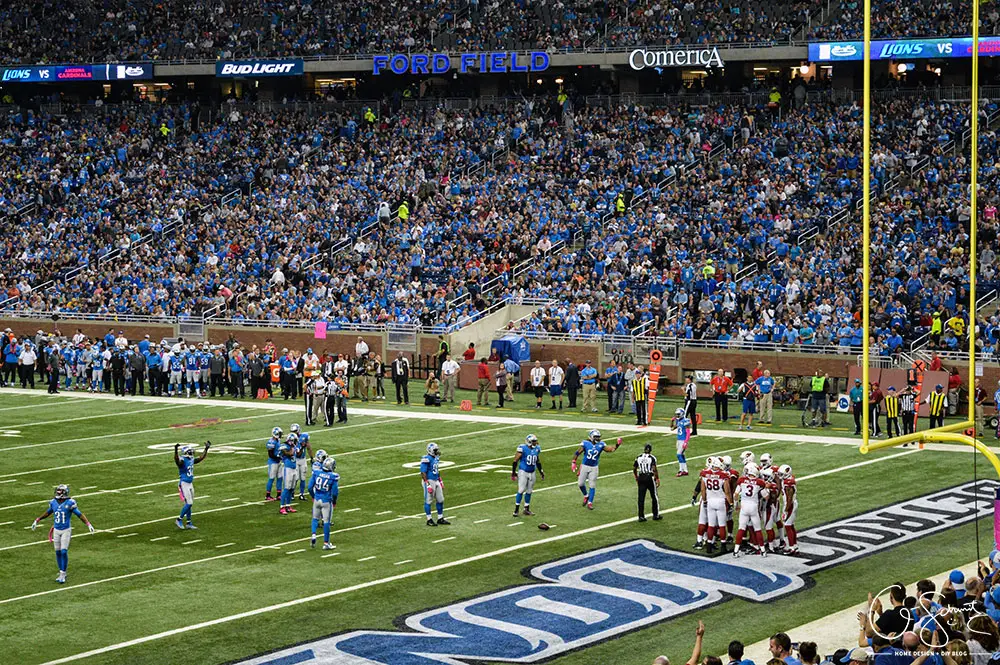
x=140, y=576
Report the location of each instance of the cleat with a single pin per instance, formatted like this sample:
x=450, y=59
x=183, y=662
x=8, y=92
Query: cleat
x=302, y=497
x=657, y=518
x=642, y=519
x=283, y=511
x=679, y=474
x=329, y=546
x=442, y=520
x=431, y=522
x=61, y=579
x=269, y=498
x=584, y=502
x=699, y=545
x=516, y=514
x=291, y=510
x=710, y=548
x=683, y=473
x=312, y=542
x=528, y=513
x=763, y=554
x=192, y=526
x=179, y=523
x=736, y=554
x=590, y=506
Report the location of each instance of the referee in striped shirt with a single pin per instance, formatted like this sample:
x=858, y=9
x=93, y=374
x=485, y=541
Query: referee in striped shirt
x=647, y=478
x=908, y=407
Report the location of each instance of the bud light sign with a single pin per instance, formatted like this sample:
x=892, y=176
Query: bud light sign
x=258, y=68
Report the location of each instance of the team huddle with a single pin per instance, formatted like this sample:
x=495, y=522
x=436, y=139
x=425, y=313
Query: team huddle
x=768, y=502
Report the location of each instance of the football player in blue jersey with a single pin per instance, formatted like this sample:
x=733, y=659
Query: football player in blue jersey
x=273, y=462
x=317, y=465
x=526, y=460
x=175, y=363
x=96, y=369
x=286, y=452
x=324, y=486
x=591, y=450
x=63, y=508
x=185, y=462
x=430, y=475
x=192, y=371
x=683, y=425
x=303, y=459
x=83, y=359
x=204, y=370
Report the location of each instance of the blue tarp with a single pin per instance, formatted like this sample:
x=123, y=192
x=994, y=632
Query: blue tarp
x=515, y=346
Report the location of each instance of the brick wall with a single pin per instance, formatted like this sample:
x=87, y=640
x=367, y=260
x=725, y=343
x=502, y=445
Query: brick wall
x=335, y=342
x=68, y=327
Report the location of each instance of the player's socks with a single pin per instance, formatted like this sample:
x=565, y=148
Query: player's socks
x=439, y=507
x=427, y=510
x=590, y=495
x=326, y=532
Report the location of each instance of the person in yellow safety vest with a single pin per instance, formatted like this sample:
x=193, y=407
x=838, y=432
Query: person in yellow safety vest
x=404, y=211
x=561, y=98
x=620, y=203
x=369, y=116
x=708, y=270
x=937, y=327
x=164, y=130
x=774, y=98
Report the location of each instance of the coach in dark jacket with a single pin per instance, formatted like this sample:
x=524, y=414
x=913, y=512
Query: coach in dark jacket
x=138, y=363
x=54, y=362
x=401, y=378
x=258, y=373
x=572, y=382
x=217, y=370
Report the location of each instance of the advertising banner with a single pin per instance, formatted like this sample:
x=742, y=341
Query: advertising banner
x=259, y=68
x=903, y=49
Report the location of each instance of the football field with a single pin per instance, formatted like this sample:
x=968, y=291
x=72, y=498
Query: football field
x=247, y=583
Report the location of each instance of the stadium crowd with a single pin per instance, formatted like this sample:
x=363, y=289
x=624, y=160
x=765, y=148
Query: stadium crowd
x=711, y=251
x=921, y=18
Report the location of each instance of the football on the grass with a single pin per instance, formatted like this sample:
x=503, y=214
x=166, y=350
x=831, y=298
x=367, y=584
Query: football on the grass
x=543, y=526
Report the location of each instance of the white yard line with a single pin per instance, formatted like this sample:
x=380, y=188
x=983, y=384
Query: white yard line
x=96, y=416
x=327, y=556
x=153, y=540
x=192, y=542
x=481, y=521
x=127, y=535
x=146, y=492
x=219, y=547
x=295, y=551
x=444, y=540
x=352, y=510
x=367, y=558
x=6, y=523
x=362, y=526
x=384, y=512
x=235, y=498
x=400, y=563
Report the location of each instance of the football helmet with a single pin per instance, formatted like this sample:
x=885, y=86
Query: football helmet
x=716, y=463
x=62, y=492
x=187, y=451
x=727, y=462
x=784, y=471
x=751, y=471
x=321, y=455
x=433, y=450
x=277, y=432
x=767, y=474
x=294, y=428
x=329, y=464
x=765, y=459
x=679, y=413
x=292, y=439
x=595, y=435
x=532, y=440
x=746, y=457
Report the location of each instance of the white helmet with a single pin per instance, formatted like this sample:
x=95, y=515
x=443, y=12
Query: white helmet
x=767, y=474
x=727, y=462
x=320, y=455
x=679, y=413
x=595, y=435
x=746, y=457
x=187, y=451
x=433, y=450
x=711, y=462
x=784, y=471
x=765, y=459
x=329, y=464
x=751, y=471
x=295, y=428
x=277, y=432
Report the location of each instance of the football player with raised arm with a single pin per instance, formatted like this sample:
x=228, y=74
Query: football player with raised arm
x=430, y=475
x=286, y=453
x=273, y=463
x=526, y=460
x=62, y=507
x=185, y=462
x=591, y=449
x=324, y=487
x=303, y=459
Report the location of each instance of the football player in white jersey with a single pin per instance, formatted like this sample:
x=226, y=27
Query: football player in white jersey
x=717, y=497
x=790, y=506
x=750, y=491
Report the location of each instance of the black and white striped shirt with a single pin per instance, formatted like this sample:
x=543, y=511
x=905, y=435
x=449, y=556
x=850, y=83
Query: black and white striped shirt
x=644, y=464
x=906, y=402
x=691, y=392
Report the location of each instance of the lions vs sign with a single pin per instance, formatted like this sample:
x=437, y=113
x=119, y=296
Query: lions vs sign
x=574, y=602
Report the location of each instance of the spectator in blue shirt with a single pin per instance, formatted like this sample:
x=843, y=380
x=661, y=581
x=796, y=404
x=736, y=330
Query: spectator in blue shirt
x=781, y=648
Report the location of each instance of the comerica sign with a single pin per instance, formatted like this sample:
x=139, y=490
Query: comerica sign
x=685, y=57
